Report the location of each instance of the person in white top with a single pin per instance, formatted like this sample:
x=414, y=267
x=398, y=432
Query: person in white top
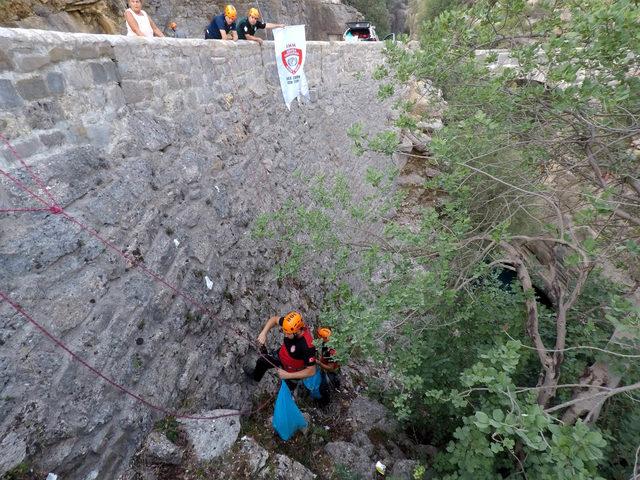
x=138, y=22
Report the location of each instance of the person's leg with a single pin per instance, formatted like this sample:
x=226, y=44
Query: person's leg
x=264, y=363
x=325, y=396
x=292, y=384
x=333, y=379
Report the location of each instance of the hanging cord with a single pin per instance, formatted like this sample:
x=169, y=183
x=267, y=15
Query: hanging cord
x=54, y=208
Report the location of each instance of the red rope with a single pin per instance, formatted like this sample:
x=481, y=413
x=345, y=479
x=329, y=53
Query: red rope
x=56, y=209
x=13, y=210
x=111, y=382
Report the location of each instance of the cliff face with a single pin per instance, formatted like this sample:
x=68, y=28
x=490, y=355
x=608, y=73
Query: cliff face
x=325, y=19
x=169, y=149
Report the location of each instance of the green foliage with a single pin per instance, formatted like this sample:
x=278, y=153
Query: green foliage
x=19, y=472
x=170, y=427
x=343, y=473
x=511, y=433
x=424, y=295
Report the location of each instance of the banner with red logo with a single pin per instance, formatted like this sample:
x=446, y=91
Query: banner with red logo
x=291, y=52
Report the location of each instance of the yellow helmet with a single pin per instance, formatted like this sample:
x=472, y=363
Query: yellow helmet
x=230, y=11
x=253, y=12
x=324, y=333
x=292, y=323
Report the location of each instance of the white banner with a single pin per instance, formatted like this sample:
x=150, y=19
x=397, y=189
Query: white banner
x=291, y=53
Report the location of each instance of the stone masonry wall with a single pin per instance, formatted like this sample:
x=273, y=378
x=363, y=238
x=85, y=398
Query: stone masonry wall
x=169, y=149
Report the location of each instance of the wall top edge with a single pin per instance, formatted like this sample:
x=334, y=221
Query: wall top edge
x=53, y=36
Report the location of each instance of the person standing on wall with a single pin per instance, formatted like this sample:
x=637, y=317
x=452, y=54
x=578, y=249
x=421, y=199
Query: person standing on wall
x=223, y=26
x=174, y=32
x=139, y=24
x=248, y=25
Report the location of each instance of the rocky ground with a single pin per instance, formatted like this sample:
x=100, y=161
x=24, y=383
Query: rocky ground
x=344, y=440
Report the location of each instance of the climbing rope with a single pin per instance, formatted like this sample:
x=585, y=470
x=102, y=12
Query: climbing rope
x=54, y=208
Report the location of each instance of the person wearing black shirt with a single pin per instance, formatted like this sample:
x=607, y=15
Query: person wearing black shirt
x=296, y=358
x=223, y=26
x=247, y=26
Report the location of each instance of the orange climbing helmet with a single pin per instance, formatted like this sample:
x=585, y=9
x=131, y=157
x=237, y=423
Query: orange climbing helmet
x=324, y=333
x=230, y=11
x=292, y=323
x=253, y=12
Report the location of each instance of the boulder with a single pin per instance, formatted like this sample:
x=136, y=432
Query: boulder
x=285, y=468
x=255, y=454
x=159, y=449
x=353, y=458
x=367, y=414
x=211, y=438
x=403, y=469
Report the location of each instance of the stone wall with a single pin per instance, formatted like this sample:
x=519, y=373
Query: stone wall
x=169, y=149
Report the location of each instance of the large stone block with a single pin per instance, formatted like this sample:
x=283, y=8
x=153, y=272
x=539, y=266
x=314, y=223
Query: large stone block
x=56, y=83
x=32, y=88
x=78, y=75
x=59, y=54
x=5, y=62
x=29, y=63
x=8, y=96
x=136, y=91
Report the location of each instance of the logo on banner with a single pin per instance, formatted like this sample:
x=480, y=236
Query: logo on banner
x=292, y=59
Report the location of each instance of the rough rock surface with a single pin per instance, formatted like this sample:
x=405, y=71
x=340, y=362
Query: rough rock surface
x=211, y=438
x=353, y=458
x=170, y=149
x=158, y=448
x=325, y=19
x=285, y=468
x=403, y=469
x=367, y=414
x=255, y=454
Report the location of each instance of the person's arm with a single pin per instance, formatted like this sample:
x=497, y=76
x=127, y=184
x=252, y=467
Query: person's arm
x=274, y=25
x=309, y=371
x=133, y=24
x=253, y=38
x=272, y=322
x=156, y=30
x=328, y=367
x=234, y=35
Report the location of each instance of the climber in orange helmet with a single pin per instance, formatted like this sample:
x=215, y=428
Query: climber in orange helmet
x=247, y=26
x=296, y=358
x=223, y=26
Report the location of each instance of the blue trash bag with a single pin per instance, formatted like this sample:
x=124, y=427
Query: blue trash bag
x=313, y=384
x=287, y=418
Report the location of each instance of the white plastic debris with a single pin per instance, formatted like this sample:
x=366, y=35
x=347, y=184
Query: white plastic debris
x=209, y=282
x=380, y=467
x=52, y=476
x=176, y=242
x=217, y=188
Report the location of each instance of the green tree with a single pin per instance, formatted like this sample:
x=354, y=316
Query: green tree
x=538, y=176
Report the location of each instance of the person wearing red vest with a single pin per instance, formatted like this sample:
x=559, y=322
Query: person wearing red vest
x=296, y=358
